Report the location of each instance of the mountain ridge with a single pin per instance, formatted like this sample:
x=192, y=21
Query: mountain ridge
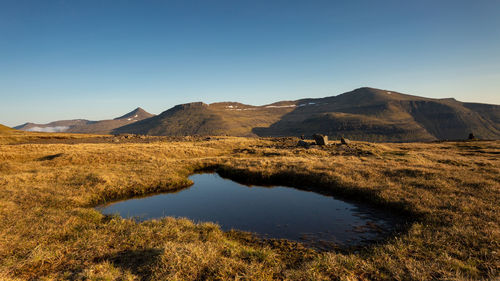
x=362, y=114
x=87, y=126
x=365, y=113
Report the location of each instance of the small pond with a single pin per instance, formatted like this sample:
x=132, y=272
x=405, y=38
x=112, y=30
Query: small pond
x=316, y=220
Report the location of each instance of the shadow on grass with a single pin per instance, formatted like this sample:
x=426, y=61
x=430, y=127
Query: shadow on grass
x=138, y=262
x=50, y=157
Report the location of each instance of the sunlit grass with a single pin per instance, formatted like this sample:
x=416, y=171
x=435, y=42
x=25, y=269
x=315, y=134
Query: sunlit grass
x=49, y=229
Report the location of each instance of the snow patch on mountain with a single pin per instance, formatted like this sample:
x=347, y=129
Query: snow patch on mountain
x=280, y=106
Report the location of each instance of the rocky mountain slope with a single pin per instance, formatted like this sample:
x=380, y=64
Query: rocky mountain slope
x=226, y=118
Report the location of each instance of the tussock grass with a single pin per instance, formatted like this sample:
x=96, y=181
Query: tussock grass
x=49, y=229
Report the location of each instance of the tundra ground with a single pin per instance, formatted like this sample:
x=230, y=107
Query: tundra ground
x=50, y=184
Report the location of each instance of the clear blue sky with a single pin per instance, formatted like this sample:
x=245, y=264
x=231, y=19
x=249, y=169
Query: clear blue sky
x=100, y=59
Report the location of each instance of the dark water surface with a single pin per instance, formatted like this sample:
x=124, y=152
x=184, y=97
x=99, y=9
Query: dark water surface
x=317, y=220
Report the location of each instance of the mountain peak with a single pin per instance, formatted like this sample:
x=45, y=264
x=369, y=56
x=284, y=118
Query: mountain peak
x=196, y=104
x=23, y=125
x=367, y=95
x=369, y=91
x=136, y=114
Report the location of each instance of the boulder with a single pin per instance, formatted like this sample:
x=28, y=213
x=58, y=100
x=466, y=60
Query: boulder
x=303, y=143
x=344, y=141
x=320, y=139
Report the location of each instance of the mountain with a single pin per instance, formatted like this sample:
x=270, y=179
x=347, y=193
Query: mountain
x=363, y=114
x=106, y=126
x=380, y=115
x=86, y=126
x=203, y=119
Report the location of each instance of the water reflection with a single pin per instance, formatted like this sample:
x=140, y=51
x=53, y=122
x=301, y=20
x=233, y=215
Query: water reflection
x=277, y=212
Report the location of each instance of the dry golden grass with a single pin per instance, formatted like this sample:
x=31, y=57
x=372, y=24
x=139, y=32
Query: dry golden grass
x=11, y=136
x=49, y=229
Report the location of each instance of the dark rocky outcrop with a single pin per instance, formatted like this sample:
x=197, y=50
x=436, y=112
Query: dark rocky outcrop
x=320, y=139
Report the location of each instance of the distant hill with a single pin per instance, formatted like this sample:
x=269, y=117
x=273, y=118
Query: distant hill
x=106, y=126
x=5, y=129
x=363, y=114
x=87, y=126
x=52, y=127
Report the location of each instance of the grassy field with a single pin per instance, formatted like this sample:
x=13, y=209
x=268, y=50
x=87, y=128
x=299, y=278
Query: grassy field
x=49, y=230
